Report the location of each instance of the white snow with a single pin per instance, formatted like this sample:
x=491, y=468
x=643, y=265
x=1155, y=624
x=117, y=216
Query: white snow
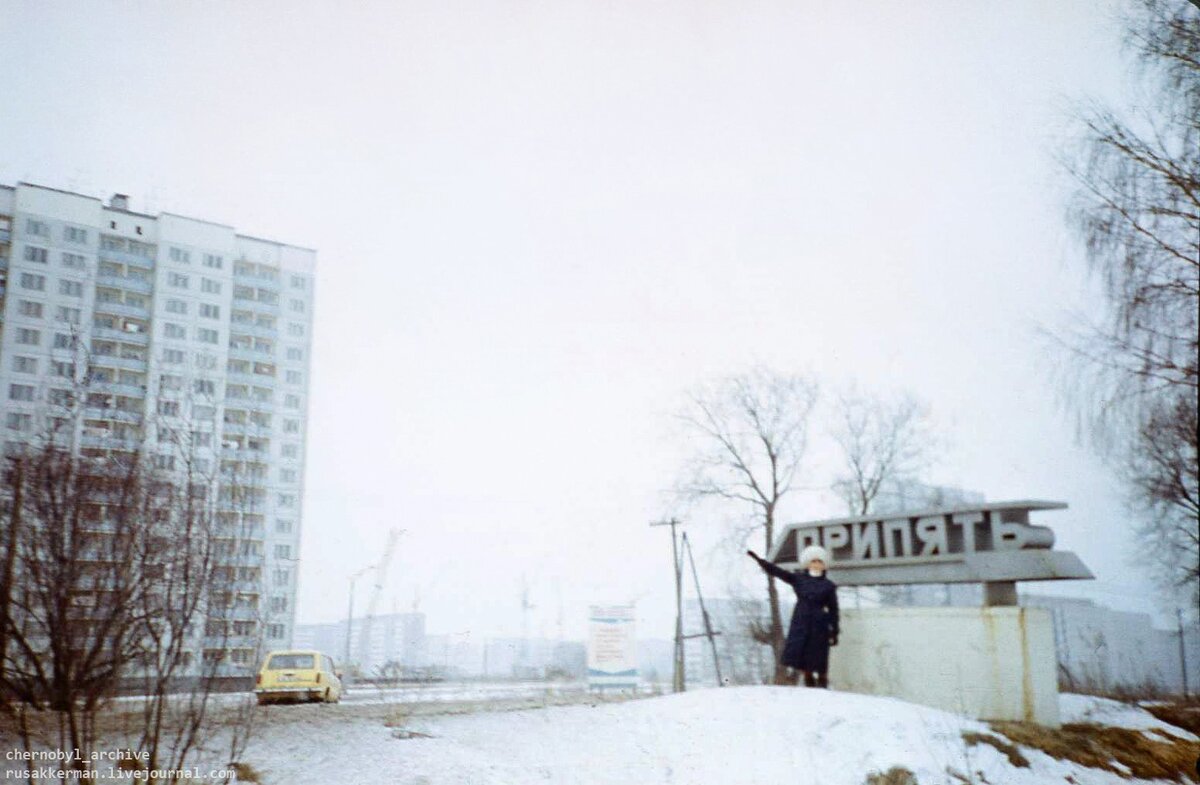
x=706, y=737
x=1103, y=711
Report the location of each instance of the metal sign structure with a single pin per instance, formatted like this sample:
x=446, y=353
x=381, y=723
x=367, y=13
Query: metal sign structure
x=989, y=543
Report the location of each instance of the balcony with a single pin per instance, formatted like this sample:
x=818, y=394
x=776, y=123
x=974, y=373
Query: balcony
x=123, y=309
x=257, y=330
x=262, y=380
x=5, y=235
x=252, y=354
x=242, y=560
x=109, y=413
x=117, y=388
x=244, y=429
x=124, y=257
x=110, y=443
x=257, y=306
x=125, y=282
x=125, y=336
x=112, y=361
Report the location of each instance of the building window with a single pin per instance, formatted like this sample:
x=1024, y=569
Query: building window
x=293, y=377
x=205, y=387
x=25, y=364
x=205, y=335
x=73, y=234
x=298, y=282
x=35, y=254
x=69, y=315
x=36, y=228
x=295, y=330
x=209, y=286
x=177, y=306
x=74, y=261
x=213, y=261
x=164, y=462
x=203, y=412
x=210, y=311
x=34, y=282
x=291, y=401
x=206, y=362
x=290, y=451
x=19, y=422
x=180, y=255
x=279, y=604
x=178, y=280
x=29, y=337
x=275, y=631
x=30, y=309
x=283, y=577
x=62, y=370
x=170, y=382
x=295, y=354
x=287, y=475
x=283, y=551
x=168, y=408
x=171, y=330
x=70, y=288
x=172, y=356
x=297, y=306
x=20, y=392
x=64, y=398
x=283, y=526
x=291, y=426
x=285, y=499
x=64, y=341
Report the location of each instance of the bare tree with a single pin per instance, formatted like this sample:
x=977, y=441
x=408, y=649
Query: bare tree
x=751, y=432
x=1137, y=209
x=75, y=618
x=884, y=442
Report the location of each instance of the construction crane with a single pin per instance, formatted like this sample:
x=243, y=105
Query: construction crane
x=380, y=570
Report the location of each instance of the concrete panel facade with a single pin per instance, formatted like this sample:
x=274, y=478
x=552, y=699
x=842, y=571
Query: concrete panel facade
x=987, y=663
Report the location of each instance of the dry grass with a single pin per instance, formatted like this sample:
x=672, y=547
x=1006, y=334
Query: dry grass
x=1180, y=714
x=246, y=773
x=1010, y=750
x=1143, y=756
x=896, y=775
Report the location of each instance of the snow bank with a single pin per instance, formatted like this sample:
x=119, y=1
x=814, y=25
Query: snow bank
x=706, y=737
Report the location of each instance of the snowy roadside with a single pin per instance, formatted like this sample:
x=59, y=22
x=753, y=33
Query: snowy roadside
x=707, y=737
x=513, y=734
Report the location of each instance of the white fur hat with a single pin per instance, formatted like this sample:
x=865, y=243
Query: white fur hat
x=813, y=552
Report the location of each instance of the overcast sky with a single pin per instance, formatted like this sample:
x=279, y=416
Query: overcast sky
x=539, y=223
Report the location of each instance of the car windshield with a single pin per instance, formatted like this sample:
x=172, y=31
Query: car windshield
x=281, y=662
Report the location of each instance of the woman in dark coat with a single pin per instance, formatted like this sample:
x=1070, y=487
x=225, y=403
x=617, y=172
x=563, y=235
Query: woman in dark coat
x=814, y=626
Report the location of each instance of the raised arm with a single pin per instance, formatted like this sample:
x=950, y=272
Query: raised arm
x=772, y=569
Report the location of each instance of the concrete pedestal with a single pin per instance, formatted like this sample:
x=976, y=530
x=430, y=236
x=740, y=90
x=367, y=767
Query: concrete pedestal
x=988, y=663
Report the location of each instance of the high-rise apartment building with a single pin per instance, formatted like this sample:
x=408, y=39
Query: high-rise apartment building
x=187, y=327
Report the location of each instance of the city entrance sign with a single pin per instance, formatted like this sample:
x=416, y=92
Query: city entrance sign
x=994, y=544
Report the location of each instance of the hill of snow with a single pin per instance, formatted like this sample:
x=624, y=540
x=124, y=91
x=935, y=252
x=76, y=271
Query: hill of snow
x=769, y=735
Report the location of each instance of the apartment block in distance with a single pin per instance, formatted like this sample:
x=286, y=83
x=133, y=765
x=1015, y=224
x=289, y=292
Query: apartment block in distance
x=186, y=324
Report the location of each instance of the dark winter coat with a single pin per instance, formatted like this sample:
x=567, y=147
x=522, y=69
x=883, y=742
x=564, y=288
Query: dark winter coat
x=814, y=621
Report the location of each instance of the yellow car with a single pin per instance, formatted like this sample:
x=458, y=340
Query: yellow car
x=297, y=675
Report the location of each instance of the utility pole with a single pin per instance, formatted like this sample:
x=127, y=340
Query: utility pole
x=708, y=630
x=350, y=616
x=1182, y=652
x=680, y=680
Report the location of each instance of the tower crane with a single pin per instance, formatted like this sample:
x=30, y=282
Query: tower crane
x=380, y=570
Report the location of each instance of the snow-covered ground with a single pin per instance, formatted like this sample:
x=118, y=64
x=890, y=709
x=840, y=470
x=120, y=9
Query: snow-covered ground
x=706, y=737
